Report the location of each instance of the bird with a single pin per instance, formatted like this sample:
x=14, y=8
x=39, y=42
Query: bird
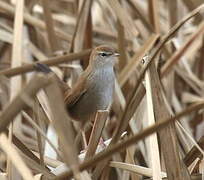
x=94, y=89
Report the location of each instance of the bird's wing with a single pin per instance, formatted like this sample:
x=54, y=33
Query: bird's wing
x=73, y=95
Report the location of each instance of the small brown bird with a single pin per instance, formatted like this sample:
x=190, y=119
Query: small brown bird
x=94, y=88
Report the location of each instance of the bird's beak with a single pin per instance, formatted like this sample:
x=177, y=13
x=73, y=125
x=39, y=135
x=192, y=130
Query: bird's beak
x=116, y=54
x=116, y=60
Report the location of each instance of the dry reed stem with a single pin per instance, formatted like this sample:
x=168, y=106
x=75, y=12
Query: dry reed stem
x=79, y=34
x=95, y=136
x=141, y=15
x=153, y=8
x=70, y=26
x=194, y=153
x=32, y=20
x=193, y=177
x=53, y=39
x=130, y=160
x=174, y=29
x=135, y=60
x=15, y=158
x=179, y=53
x=30, y=157
x=151, y=58
x=16, y=82
x=50, y=62
x=16, y=59
x=152, y=140
x=36, y=126
x=62, y=125
x=124, y=18
x=134, y=139
x=135, y=168
x=17, y=104
x=39, y=138
x=121, y=46
x=169, y=144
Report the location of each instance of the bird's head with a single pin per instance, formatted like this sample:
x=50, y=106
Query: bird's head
x=103, y=56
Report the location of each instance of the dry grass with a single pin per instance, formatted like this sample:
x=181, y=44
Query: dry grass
x=154, y=129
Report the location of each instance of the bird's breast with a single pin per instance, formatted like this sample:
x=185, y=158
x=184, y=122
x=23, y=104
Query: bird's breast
x=101, y=88
x=98, y=95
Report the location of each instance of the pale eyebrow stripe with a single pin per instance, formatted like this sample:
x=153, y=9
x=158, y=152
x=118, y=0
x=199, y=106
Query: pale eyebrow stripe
x=106, y=52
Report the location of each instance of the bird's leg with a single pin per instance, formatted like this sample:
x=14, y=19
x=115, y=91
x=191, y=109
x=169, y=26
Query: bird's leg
x=84, y=139
x=86, y=127
x=102, y=143
x=81, y=135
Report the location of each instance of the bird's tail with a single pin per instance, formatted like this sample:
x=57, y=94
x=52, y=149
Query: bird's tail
x=43, y=68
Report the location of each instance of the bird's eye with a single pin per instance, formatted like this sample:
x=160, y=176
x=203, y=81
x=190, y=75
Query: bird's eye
x=103, y=54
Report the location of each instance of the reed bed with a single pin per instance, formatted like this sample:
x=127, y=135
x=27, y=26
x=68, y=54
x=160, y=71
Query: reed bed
x=154, y=128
